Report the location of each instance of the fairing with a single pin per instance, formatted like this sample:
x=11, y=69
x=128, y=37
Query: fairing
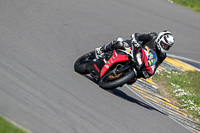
x=115, y=58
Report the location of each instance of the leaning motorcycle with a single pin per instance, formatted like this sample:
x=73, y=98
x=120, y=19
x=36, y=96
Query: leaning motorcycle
x=111, y=70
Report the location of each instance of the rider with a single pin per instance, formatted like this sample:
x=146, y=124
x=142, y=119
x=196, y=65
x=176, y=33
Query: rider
x=159, y=43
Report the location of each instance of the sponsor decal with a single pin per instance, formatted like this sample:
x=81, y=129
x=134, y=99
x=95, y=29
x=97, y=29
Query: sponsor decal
x=111, y=60
x=96, y=67
x=107, y=66
x=115, y=53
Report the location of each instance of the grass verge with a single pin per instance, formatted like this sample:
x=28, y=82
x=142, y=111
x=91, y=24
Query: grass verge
x=7, y=127
x=192, y=4
x=184, y=88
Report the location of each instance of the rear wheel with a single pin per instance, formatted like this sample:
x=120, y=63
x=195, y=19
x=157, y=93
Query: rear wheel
x=111, y=80
x=81, y=63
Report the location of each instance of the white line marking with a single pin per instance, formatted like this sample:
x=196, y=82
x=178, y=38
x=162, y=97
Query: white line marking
x=17, y=125
x=182, y=58
x=155, y=107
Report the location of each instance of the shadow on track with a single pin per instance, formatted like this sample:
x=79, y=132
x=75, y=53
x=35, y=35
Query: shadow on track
x=124, y=96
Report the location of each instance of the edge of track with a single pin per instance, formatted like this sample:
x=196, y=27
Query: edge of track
x=147, y=90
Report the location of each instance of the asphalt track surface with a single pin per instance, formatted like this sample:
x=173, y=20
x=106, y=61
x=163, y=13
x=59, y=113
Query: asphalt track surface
x=39, y=42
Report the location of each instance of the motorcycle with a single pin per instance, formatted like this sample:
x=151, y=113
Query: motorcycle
x=112, y=69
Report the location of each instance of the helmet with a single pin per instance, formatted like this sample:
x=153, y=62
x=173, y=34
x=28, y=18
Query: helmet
x=164, y=41
x=152, y=58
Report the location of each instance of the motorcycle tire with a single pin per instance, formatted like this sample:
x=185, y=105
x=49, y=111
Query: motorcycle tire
x=116, y=83
x=81, y=63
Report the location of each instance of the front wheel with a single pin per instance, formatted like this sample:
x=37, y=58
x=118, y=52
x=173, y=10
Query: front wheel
x=119, y=80
x=81, y=63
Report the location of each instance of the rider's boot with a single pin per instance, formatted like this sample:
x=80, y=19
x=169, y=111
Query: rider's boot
x=108, y=47
x=101, y=50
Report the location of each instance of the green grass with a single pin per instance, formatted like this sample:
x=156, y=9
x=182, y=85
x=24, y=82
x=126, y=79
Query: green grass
x=185, y=87
x=7, y=127
x=192, y=4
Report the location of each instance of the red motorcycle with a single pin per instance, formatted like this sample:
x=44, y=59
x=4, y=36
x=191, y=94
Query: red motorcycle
x=113, y=69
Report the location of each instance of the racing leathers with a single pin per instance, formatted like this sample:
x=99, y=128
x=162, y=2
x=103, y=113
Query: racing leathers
x=139, y=41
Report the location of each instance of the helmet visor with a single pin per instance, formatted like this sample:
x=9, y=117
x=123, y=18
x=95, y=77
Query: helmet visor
x=165, y=46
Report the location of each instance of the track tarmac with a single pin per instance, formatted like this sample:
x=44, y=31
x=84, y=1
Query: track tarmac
x=39, y=43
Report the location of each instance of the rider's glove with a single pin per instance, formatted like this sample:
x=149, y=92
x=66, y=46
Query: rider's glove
x=113, y=42
x=111, y=45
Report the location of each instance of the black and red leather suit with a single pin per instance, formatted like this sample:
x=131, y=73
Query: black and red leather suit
x=141, y=40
